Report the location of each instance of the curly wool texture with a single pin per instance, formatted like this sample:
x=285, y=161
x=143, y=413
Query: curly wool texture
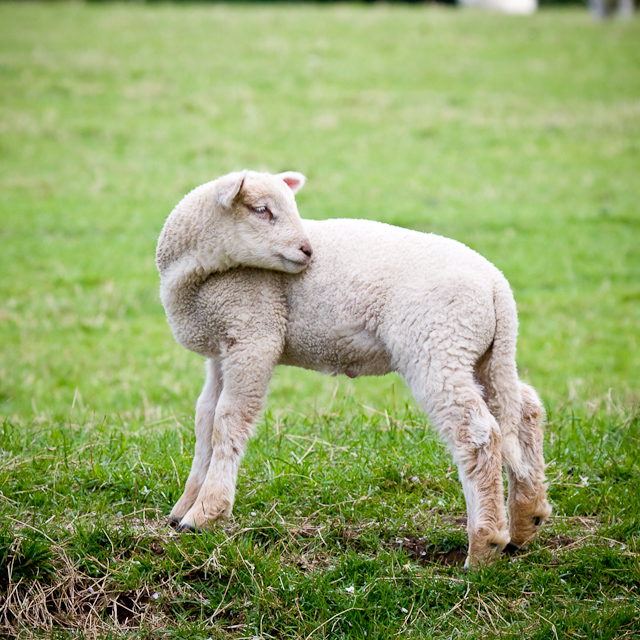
x=352, y=297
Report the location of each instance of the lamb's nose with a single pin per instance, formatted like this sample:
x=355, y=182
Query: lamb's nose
x=305, y=247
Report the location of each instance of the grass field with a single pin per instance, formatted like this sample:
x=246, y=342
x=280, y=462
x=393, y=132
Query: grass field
x=519, y=137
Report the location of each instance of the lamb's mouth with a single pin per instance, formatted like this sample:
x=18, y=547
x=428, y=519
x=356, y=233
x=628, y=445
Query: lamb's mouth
x=294, y=266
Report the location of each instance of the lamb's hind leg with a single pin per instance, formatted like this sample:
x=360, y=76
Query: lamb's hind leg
x=519, y=412
x=205, y=413
x=527, y=502
x=461, y=415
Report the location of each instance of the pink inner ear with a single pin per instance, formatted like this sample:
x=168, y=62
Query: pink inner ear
x=293, y=183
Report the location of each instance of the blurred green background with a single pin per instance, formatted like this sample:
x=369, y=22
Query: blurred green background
x=517, y=136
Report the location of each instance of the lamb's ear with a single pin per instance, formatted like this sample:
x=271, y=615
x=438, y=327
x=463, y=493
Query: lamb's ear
x=229, y=187
x=294, y=179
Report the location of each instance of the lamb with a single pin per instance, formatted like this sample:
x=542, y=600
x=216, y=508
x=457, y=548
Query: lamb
x=248, y=284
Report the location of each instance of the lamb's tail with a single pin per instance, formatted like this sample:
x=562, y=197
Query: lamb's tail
x=501, y=376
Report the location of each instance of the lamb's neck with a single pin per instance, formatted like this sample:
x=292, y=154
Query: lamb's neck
x=181, y=280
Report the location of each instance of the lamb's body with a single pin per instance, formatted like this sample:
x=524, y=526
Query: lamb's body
x=372, y=290
x=373, y=299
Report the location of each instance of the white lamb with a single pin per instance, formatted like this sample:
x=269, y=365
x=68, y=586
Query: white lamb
x=248, y=284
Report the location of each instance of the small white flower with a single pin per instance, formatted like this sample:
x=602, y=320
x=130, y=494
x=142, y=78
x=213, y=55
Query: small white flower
x=156, y=595
x=350, y=589
x=404, y=610
x=253, y=513
x=585, y=481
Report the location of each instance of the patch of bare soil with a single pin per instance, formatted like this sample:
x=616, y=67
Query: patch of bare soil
x=426, y=554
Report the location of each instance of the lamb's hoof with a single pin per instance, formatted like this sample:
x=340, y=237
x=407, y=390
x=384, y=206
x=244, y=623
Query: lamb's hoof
x=486, y=547
x=186, y=528
x=173, y=522
x=528, y=529
x=477, y=562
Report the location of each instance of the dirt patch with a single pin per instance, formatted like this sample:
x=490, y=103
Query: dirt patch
x=426, y=554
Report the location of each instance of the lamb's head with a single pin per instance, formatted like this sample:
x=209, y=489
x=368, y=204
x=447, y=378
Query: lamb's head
x=244, y=219
x=261, y=221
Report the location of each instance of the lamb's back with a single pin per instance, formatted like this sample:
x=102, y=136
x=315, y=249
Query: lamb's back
x=390, y=253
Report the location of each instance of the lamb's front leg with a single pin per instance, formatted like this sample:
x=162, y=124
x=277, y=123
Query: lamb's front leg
x=205, y=413
x=245, y=376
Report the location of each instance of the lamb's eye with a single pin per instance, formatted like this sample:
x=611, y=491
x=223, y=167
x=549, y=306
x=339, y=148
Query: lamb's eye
x=263, y=212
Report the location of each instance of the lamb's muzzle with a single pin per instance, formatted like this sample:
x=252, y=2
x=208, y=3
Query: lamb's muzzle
x=305, y=247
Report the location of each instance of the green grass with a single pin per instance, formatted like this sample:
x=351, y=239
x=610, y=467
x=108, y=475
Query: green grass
x=519, y=137
x=510, y=135
x=344, y=527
